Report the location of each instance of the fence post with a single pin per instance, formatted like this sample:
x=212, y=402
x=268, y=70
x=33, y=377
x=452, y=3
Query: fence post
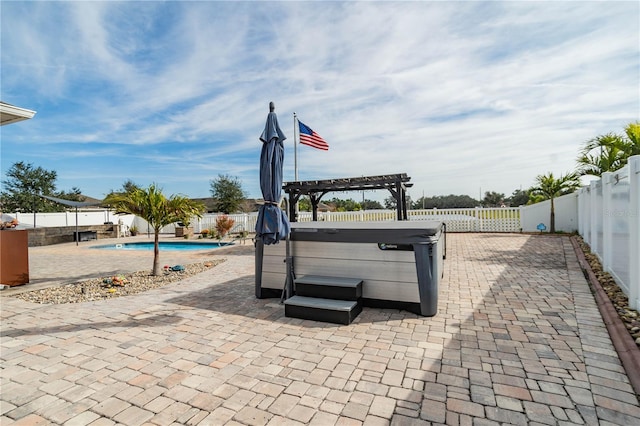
x=607, y=221
x=581, y=212
x=521, y=214
x=634, y=231
x=595, y=213
x=587, y=214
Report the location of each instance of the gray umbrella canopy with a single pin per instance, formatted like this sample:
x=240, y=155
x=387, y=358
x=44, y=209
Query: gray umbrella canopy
x=272, y=225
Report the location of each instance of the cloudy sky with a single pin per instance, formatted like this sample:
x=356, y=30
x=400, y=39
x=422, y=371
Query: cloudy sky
x=464, y=97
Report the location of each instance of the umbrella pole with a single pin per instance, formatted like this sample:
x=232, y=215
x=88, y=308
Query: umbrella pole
x=287, y=291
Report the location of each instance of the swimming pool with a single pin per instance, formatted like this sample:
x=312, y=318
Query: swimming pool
x=165, y=246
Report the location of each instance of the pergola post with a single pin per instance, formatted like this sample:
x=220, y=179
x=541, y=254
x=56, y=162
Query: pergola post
x=314, y=206
x=293, y=199
x=404, y=204
x=399, y=200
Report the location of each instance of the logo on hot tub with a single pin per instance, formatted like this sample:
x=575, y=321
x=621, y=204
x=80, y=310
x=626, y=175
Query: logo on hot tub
x=388, y=246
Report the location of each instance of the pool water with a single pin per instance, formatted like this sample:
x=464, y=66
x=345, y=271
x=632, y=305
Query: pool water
x=165, y=246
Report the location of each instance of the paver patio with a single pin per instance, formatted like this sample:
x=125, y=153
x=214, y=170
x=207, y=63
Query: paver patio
x=518, y=339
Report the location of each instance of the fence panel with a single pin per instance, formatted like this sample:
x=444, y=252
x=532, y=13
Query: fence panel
x=68, y=218
x=584, y=214
x=505, y=219
x=457, y=220
x=243, y=222
x=499, y=219
x=596, y=219
x=609, y=219
x=618, y=229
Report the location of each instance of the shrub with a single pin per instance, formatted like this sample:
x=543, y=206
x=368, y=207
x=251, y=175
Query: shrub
x=223, y=225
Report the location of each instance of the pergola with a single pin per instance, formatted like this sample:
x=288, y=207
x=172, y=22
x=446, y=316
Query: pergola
x=396, y=184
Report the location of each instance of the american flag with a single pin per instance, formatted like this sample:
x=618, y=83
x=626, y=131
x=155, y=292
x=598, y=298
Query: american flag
x=311, y=138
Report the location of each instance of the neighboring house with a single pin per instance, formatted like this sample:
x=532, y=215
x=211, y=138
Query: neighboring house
x=322, y=207
x=248, y=205
x=87, y=199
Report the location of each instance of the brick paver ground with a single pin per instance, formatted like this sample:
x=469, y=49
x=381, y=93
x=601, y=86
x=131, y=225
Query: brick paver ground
x=518, y=339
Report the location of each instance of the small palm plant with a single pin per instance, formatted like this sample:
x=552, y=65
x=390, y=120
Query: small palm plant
x=549, y=188
x=158, y=210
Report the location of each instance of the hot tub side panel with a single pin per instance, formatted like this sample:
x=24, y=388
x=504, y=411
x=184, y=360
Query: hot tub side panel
x=404, y=275
x=386, y=275
x=270, y=269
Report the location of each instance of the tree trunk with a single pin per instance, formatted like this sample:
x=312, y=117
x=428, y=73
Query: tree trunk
x=156, y=253
x=552, y=219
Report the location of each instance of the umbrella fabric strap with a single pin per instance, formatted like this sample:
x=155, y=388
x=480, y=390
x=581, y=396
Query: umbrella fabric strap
x=273, y=203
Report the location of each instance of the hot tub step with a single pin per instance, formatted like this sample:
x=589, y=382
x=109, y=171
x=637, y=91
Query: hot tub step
x=329, y=287
x=326, y=310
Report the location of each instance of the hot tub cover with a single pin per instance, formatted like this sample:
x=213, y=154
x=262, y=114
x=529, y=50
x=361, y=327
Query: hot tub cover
x=397, y=232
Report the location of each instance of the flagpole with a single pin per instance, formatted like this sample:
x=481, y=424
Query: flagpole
x=296, y=135
x=295, y=146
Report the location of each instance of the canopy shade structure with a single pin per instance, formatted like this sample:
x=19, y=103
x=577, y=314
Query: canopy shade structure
x=75, y=204
x=12, y=114
x=397, y=184
x=70, y=203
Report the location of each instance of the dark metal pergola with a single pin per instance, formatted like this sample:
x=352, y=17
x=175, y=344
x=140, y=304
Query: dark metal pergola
x=396, y=184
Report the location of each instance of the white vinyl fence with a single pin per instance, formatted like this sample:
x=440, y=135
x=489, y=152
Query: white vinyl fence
x=68, y=218
x=505, y=219
x=502, y=219
x=609, y=221
x=499, y=219
x=566, y=214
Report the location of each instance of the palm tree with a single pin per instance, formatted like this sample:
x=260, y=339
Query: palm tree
x=604, y=153
x=158, y=210
x=610, y=152
x=549, y=188
x=631, y=145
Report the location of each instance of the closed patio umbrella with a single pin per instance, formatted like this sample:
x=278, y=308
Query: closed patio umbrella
x=272, y=225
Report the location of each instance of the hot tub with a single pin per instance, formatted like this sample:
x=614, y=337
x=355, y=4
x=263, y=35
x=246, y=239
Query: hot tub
x=400, y=263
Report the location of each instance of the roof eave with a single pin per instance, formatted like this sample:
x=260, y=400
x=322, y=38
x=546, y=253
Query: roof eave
x=12, y=114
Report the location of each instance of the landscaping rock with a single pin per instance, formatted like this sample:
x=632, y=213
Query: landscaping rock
x=113, y=286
